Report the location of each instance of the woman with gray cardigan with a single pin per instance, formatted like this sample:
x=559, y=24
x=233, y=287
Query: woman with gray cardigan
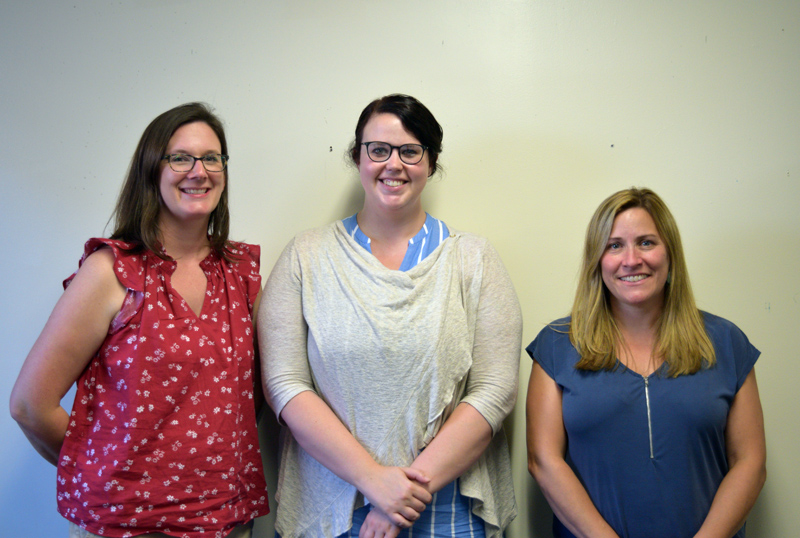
x=390, y=350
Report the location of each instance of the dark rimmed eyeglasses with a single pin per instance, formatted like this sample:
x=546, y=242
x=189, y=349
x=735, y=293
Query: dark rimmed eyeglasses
x=180, y=162
x=381, y=151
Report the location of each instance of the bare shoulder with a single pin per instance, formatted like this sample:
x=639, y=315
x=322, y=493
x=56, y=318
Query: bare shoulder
x=98, y=269
x=96, y=287
x=73, y=333
x=99, y=262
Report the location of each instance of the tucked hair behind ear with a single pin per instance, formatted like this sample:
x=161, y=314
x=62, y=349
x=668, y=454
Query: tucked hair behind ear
x=681, y=336
x=139, y=203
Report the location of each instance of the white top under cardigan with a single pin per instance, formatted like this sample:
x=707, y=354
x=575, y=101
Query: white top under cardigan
x=392, y=353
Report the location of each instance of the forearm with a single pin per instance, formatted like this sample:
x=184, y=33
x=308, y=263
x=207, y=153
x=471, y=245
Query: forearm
x=70, y=338
x=734, y=499
x=320, y=432
x=460, y=442
x=398, y=492
x=747, y=455
x=569, y=500
x=44, y=430
x=547, y=447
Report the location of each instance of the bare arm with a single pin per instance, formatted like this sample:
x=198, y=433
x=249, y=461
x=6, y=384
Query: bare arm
x=458, y=445
x=76, y=329
x=747, y=457
x=547, y=442
x=397, y=491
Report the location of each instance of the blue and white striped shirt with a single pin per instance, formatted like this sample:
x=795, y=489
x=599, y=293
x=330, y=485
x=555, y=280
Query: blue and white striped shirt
x=430, y=236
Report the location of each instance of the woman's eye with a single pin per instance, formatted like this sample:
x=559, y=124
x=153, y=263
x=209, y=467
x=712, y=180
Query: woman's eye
x=378, y=151
x=181, y=158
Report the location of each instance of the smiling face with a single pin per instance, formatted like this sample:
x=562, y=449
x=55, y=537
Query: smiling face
x=391, y=186
x=191, y=195
x=635, y=263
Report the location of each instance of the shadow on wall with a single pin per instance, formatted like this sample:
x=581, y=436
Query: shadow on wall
x=537, y=516
x=268, y=433
x=534, y=513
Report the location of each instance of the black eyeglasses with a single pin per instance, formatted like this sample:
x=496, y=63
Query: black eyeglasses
x=381, y=151
x=180, y=162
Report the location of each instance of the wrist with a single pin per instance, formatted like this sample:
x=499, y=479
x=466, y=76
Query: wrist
x=365, y=478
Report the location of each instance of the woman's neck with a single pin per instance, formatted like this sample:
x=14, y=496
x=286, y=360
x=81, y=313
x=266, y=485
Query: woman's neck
x=186, y=241
x=389, y=234
x=639, y=331
x=391, y=228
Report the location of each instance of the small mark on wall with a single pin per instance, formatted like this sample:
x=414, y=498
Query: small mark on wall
x=330, y=148
x=767, y=306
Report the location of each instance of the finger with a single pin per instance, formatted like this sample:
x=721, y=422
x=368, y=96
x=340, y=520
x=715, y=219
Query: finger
x=415, y=504
x=400, y=520
x=416, y=474
x=421, y=494
x=410, y=514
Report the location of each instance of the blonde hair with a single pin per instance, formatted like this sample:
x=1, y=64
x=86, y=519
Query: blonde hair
x=681, y=337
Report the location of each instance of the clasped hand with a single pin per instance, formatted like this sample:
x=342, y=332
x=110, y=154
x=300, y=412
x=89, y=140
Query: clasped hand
x=399, y=493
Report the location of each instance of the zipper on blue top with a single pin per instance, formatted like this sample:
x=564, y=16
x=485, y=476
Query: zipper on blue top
x=649, y=420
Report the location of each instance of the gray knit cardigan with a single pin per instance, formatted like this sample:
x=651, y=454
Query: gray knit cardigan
x=392, y=353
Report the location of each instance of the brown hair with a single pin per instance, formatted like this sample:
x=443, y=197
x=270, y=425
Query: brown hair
x=139, y=203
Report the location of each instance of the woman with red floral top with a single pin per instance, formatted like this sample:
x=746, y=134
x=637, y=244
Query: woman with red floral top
x=156, y=329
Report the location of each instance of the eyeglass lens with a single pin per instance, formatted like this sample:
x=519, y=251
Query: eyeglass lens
x=181, y=162
x=381, y=151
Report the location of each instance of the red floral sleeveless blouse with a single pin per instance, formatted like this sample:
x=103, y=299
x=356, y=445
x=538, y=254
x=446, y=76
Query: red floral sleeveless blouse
x=162, y=435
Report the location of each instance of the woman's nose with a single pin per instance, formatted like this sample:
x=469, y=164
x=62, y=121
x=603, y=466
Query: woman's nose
x=631, y=257
x=394, y=159
x=198, y=170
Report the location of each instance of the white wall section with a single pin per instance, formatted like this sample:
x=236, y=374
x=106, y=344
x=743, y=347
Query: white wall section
x=547, y=106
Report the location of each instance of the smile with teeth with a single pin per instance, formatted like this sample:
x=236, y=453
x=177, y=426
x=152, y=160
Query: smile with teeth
x=195, y=191
x=392, y=182
x=633, y=278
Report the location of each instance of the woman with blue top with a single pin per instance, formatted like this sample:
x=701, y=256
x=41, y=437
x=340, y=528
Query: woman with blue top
x=390, y=348
x=643, y=414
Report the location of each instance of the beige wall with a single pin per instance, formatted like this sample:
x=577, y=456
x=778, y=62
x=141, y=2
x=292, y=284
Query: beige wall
x=547, y=108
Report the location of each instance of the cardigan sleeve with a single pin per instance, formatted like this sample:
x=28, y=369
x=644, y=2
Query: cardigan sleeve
x=283, y=333
x=493, y=379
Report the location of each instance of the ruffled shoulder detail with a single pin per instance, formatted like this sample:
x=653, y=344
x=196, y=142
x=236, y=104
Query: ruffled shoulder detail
x=247, y=264
x=128, y=266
